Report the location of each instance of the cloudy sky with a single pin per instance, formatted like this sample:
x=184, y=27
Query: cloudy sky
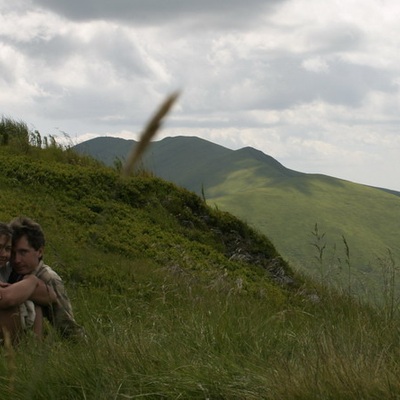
x=315, y=84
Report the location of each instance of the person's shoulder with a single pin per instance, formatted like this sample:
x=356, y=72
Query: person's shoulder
x=46, y=272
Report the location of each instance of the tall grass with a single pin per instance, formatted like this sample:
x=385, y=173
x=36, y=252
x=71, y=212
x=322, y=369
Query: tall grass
x=391, y=297
x=149, y=132
x=170, y=337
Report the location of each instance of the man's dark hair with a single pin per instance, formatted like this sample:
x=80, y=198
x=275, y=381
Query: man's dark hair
x=5, y=230
x=23, y=226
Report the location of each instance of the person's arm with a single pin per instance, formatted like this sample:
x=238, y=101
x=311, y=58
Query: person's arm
x=18, y=292
x=43, y=295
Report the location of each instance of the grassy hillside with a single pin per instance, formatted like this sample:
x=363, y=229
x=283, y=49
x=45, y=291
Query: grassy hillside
x=180, y=300
x=358, y=223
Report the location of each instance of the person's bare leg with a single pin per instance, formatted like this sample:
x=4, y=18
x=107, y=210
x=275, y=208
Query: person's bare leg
x=10, y=322
x=38, y=324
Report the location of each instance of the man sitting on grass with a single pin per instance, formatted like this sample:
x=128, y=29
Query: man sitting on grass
x=20, y=303
x=27, y=258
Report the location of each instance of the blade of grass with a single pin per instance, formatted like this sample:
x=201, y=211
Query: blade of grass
x=149, y=132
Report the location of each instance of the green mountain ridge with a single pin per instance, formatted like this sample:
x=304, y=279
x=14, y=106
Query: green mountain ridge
x=359, y=222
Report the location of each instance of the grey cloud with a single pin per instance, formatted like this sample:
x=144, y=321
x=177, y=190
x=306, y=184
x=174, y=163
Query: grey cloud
x=225, y=12
x=123, y=54
x=344, y=83
x=283, y=82
x=79, y=104
x=115, y=49
x=7, y=74
x=54, y=51
x=336, y=38
x=97, y=104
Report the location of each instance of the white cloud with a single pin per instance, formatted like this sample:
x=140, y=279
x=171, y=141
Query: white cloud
x=315, y=64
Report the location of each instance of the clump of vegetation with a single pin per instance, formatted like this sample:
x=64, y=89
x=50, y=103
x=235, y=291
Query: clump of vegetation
x=180, y=300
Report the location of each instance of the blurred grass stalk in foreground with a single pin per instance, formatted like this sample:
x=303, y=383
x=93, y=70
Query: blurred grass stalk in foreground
x=149, y=132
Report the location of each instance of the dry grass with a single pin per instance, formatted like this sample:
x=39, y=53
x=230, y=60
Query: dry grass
x=149, y=132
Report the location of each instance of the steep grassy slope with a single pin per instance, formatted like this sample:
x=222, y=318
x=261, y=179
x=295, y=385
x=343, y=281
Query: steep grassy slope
x=141, y=217
x=177, y=299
